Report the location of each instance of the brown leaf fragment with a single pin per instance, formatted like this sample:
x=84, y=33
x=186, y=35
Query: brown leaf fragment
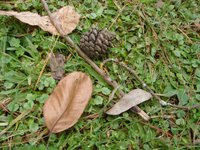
x=57, y=62
x=65, y=105
x=67, y=18
x=133, y=98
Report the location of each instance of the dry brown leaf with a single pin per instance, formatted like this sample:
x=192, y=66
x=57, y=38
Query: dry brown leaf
x=57, y=62
x=67, y=102
x=129, y=100
x=67, y=18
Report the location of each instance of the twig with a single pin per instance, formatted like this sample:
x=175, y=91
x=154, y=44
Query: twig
x=163, y=116
x=163, y=103
x=111, y=96
x=89, y=61
x=41, y=72
x=189, y=40
x=92, y=116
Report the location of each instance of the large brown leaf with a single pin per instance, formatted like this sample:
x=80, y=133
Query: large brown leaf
x=67, y=18
x=67, y=102
x=129, y=100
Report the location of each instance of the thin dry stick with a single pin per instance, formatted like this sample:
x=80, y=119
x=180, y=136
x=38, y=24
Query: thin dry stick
x=163, y=103
x=89, y=61
x=189, y=40
x=41, y=72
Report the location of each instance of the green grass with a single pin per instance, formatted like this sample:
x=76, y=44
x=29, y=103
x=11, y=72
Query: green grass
x=161, y=44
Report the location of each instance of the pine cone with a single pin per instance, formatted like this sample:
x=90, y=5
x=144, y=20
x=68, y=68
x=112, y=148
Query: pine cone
x=95, y=43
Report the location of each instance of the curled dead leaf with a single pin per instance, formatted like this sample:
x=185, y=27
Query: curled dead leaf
x=133, y=98
x=67, y=18
x=67, y=102
x=57, y=62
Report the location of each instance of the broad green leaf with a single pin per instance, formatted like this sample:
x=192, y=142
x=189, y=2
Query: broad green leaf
x=42, y=98
x=169, y=91
x=182, y=96
x=8, y=85
x=180, y=121
x=180, y=113
x=128, y=46
x=33, y=127
x=14, y=42
x=197, y=72
x=100, y=11
x=98, y=100
x=28, y=105
x=31, y=97
x=198, y=97
x=106, y=91
x=177, y=53
x=13, y=106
